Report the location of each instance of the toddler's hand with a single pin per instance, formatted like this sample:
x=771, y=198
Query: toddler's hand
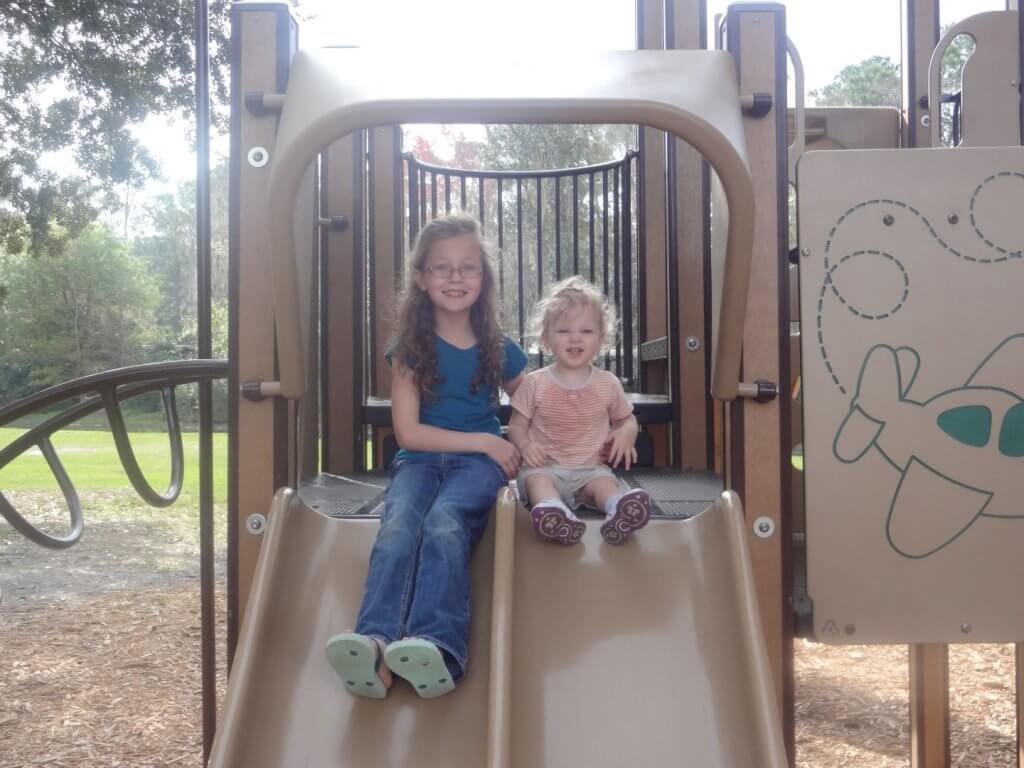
x=504, y=453
x=534, y=456
x=619, y=446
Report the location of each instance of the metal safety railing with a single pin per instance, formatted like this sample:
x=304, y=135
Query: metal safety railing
x=548, y=225
x=106, y=391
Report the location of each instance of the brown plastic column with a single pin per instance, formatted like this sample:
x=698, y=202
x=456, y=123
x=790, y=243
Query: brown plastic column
x=653, y=274
x=929, y=706
x=386, y=252
x=258, y=31
x=1019, y=679
x=929, y=667
x=687, y=29
x=920, y=36
x=344, y=281
x=756, y=36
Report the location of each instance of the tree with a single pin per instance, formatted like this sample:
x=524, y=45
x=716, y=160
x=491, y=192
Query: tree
x=74, y=76
x=874, y=82
x=89, y=309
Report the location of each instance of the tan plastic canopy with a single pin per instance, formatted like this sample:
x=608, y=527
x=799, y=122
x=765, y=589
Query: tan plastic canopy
x=692, y=94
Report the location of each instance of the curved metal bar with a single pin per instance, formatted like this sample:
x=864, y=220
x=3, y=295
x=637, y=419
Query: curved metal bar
x=550, y=173
x=37, y=535
x=127, y=455
x=176, y=372
x=103, y=390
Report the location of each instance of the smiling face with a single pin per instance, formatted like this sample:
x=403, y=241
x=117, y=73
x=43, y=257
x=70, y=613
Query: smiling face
x=452, y=274
x=574, y=337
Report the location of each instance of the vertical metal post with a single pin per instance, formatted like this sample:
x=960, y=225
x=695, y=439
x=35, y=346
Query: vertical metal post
x=558, y=227
x=540, y=252
x=204, y=343
x=519, y=260
x=575, y=225
x=501, y=243
x=413, y=176
x=604, y=251
x=615, y=263
x=627, y=269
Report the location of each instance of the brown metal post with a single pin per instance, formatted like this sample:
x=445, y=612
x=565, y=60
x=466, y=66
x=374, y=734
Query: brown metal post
x=263, y=40
x=689, y=311
x=344, y=297
x=756, y=36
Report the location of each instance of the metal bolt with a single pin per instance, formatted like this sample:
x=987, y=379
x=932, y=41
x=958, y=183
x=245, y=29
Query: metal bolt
x=849, y=629
x=952, y=218
x=258, y=157
x=255, y=523
x=805, y=252
x=926, y=120
x=764, y=527
x=888, y=219
x=966, y=628
x=692, y=343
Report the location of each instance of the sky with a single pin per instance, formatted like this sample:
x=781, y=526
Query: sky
x=457, y=34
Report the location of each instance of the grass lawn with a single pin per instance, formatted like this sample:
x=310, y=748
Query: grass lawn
x=91, y=461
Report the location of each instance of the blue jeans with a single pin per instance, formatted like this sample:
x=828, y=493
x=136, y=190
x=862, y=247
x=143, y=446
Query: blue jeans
x=435, y=511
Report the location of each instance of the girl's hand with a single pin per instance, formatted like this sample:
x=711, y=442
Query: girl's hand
x=534, y=456
x=503, y=452
x=619, y=445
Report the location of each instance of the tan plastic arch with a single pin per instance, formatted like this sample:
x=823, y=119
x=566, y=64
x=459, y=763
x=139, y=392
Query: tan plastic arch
x=692, y=94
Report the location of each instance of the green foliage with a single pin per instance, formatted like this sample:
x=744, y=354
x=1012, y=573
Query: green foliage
x=543, y=147
x=874, y=82
x=85, y=310
x=74, y=76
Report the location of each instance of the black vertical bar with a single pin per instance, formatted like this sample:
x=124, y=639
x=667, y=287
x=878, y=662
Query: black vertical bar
x=615, y=264
x=519, y=258
x=540, y=252
x=480, y=193
x=627, y=269
x=575, y=225
x=204, y=344
x=447, y=194
x=462, y=182
x=423, y=196
x=604, y=251
x=433, y=194
x=590, y=216
x=1020, y=72
x=501, y=243
x=558, y=227
x=413, y=176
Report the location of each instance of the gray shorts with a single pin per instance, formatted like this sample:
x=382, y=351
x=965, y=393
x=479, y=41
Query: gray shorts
x=568, y=480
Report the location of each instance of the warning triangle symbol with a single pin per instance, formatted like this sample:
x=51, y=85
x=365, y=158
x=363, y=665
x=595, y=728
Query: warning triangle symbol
x=830, y=629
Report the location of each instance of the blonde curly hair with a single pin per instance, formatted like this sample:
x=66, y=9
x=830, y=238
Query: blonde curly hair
x=570, y=296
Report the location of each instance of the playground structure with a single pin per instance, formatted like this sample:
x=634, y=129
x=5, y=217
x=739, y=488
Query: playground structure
x=909, y=440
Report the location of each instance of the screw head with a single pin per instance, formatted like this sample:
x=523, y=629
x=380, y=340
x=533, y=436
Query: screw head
x=849, y=629
x=926, y=121
x=966, y=628
x=805, y=252
x=764, y=527
x=888, y=219
x=692, y=343
x=258, y=157
x=255, y=523
x=953, y=218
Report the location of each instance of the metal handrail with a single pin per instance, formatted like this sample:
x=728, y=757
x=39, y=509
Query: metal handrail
x=102, y=391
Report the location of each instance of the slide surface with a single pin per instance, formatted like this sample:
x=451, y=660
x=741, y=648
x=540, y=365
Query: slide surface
x=648, y=654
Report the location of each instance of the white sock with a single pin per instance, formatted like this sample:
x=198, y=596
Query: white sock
x=556, y=502
x=609, y=506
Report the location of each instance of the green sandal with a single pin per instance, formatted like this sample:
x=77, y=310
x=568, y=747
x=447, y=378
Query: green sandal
x=421, y=663
x=356, y=658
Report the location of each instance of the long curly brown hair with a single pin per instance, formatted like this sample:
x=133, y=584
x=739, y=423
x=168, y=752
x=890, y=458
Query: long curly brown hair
x=414, y=344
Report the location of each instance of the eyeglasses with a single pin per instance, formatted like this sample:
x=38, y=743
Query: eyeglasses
x=446, y=271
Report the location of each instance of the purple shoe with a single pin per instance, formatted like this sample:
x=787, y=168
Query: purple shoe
x=632, y=512
x=552, y=524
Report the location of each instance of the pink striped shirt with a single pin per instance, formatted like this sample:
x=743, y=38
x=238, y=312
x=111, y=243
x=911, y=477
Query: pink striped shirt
x=571, y=424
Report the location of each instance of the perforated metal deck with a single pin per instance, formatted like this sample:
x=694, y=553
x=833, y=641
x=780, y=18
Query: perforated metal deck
x=675, y=494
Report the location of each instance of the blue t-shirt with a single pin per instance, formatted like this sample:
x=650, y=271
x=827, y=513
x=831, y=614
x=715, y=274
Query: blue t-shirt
x=453, y=405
